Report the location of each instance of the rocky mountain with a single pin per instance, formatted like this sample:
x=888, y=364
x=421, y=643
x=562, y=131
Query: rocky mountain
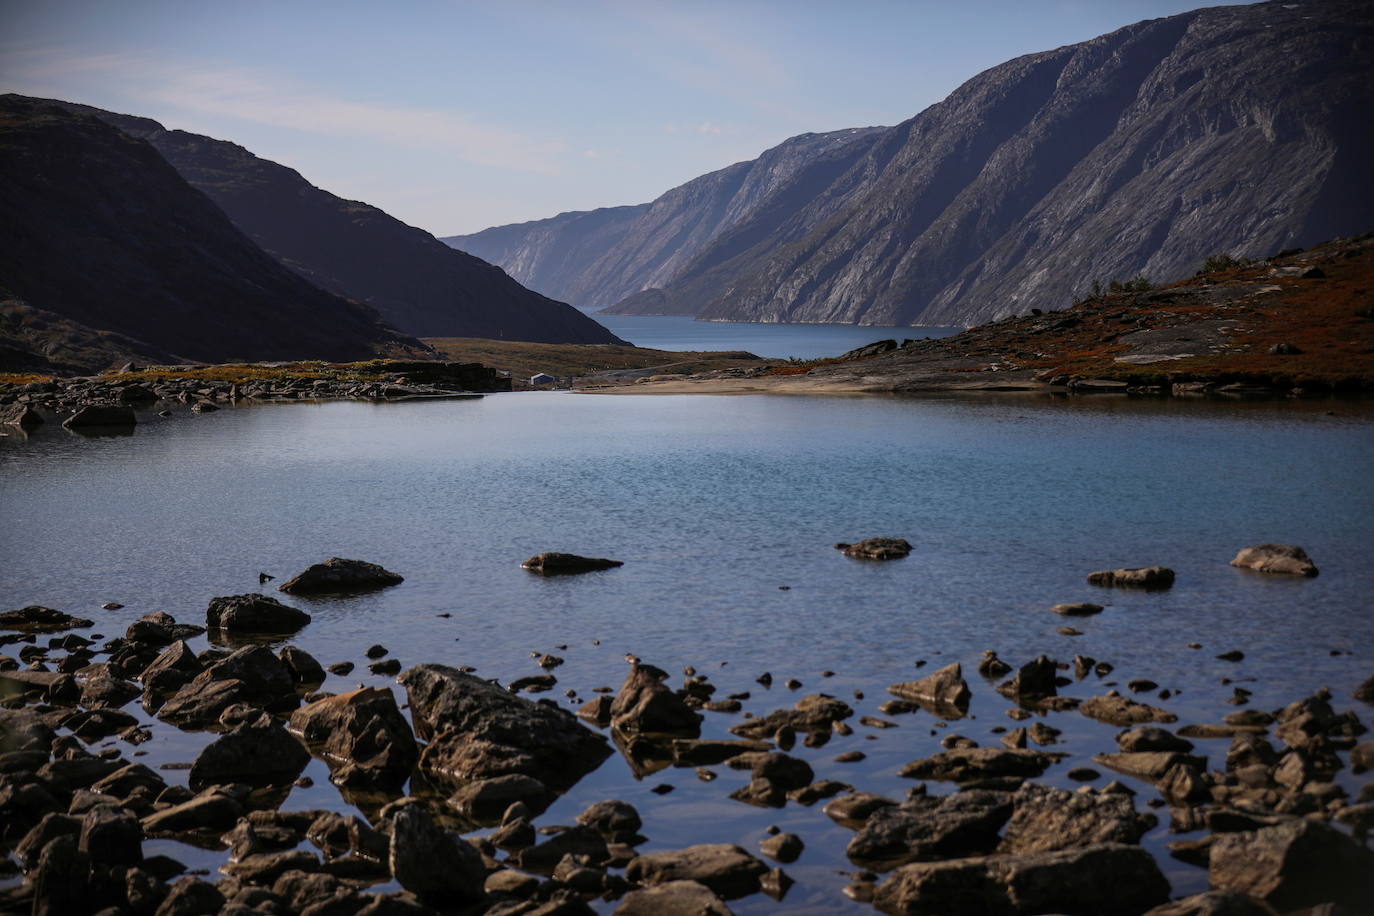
x=107, y=253
x=595, y=259
x=1240, y=129
x=417, y=284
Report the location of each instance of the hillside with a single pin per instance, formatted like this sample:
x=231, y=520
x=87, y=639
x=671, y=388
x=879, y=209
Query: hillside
x=417, y=284
x=595, y=259
x=106, y=253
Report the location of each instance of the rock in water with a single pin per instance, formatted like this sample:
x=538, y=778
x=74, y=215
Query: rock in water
x=726, y=869
x=257, y=752
x=440, y=869
x=339, y=576
x=364, y=737
x=1079, y=609
x=253, y=613
x=673, y=898
x=1294, y=865
x=1278, y=559
x=877, y=549
x=36, y=619
x=944, y=693
x=563, y=564
x=20, y=415
x=101, y=415
x=1152, y=578
x=1045, y=819
x=644, y=704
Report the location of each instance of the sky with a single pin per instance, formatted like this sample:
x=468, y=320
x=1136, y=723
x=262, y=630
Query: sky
x=456, y=115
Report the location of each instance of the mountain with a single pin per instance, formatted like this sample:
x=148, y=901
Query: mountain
x=105, y=252
x=1239, y=129
x=595, y=259
x=417, y=284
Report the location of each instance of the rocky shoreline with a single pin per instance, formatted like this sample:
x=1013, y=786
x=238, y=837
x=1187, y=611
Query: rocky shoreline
x=441, y=794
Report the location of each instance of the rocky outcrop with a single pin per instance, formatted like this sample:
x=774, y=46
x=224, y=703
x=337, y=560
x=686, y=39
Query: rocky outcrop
x=37, y=619
x=1279, y=559
x=253, y=614
x=251, y=675
x=1297, y=864
x=726, y=869
x=645, y=704
x=944, y=693
x=672, y=898
x=876, y=549
x=476, y=730
x=1046, y=819
x=363, y=735
x=926, y=828
x=339, y=576
x=971, y=764
x=259, y=751
x=562, y=564
x=1151, y=578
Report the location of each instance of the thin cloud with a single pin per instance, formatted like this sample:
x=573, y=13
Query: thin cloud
x=262, y=98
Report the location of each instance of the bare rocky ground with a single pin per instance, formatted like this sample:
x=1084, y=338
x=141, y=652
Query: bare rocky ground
x=444, y=778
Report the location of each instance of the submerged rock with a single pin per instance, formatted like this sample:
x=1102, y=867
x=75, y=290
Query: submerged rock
x=1078, y=609
x=672, y=898
x=440, y=869
x=37, y=619
x=931, y=827
x=967, y=764
x=944, y=693
x=1123, y=711
x=257, y=752
x=815, y=713
x=253, y=613
x=877, y=549
x=337, y=575
x=1045, y=819
x=562, y=564
x=363, y=734
x=644, y=704
x=1152, y=578
x=725, y=868
x=1278, y=559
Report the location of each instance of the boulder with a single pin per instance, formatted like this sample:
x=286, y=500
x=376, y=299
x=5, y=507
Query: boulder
x=339, y=576
x=968, y=764
x=1297, y=864
x=483, y=801
x=20, y=415
x=1278, y=559
x=877, y=549
x=36, y=619
x=644, y=704
x=611, y=818
x=1078, y=609
x=477, y=730
x=304, y=667
x=1034, y=681
x=251, y=675
x=1123, y=711
x=729, y=871
x=945, y=693
x=563, y=564
x=854, y=810
x=1108, y=878
x=111, y=836
x=814, y=713
x=672, y=898
x=211, y=810
x=257, y=752
x=571, y=841
x=1151, y=578
x=253, y=613
x=101, y=415
x=1046, y=819
x=1151, y=738
x=1213, y=903
x=706, y=751
x=443, y=871
x=931, y=827
x=363, y=735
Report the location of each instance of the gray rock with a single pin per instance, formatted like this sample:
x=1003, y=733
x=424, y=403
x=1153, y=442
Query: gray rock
x=363, y=735
x=855, y=809
x=441, y=870
x=257, y=752
x=101, y=415
x=253, y=613
x=644, y=704
x=1151, y=578
x=191, y=896
x=339, y=576
x=1278, y=559
x=575, y=841
x=1046, y=819
x=1150, y=765
x=944, y=693
x=931, y=827
x=725, y=868
x=705, y=752
x=563, y=564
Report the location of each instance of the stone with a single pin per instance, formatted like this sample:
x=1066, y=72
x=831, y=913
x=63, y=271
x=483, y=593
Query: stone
x=1151, y=738
x=705, y=752
x=1032, y=683
x=975, y=763
x=1108, y=878
x=783, y=847
x=563, y=564
x=1300, y=863
x=611, y=818
x=439, y=869
x=1213, y=903
x=476, y=730
x=101, y=415
x=814, y=713
x=253, y=613
x=1123, y=711
x=645, y=704
x=877, y=549
x=577, y=841
x=305, y=669
x=485, y=800
x=1078, y=609
x=672, y=898
x=256, y=752
x=339, y=576
x=1151, y=578
x=37, y=619
x=1148, y=765
x=20, y=415
x=931, y=827
x=104, y=692
x=251, y=675
x=53, y=825
x=211, y=810
x=729, y=871
x=363, y=735
x=1277, y=559
x=168, y=673
x=1046, y=819
x=855, y=809
x=944, y=693
x=190, y=896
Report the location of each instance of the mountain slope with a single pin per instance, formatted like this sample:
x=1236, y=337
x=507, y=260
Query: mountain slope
x=594, y=259
x=100, y=231
x=416, y=283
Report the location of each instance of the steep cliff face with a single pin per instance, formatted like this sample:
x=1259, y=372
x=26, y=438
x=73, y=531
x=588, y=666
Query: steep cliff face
x=106, y=251
x=416, y=283
x=595, y=259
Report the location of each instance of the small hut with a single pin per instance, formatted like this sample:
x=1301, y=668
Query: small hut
x=542, y=378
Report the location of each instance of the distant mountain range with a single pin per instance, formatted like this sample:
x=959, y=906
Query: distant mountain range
x=1239, y=129
x=112, y=251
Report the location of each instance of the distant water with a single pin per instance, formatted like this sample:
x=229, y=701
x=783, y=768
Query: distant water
x=772, y=341
x=714, y=504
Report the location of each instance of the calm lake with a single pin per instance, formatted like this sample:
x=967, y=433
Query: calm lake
x=714, y=504
x=771, y=341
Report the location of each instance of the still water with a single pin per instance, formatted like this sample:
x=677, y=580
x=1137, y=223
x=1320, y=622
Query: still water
x=714, y=504
x=771, y=341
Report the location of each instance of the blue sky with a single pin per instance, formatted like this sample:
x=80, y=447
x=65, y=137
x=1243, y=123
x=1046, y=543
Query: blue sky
x=459, y=115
